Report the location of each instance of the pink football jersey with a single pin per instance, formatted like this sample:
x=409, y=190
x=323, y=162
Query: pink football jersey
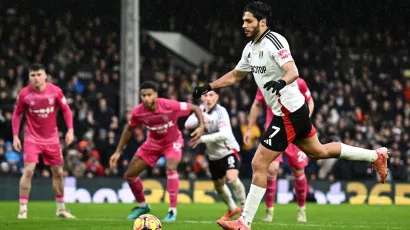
x=161, y=123
x=41, y=114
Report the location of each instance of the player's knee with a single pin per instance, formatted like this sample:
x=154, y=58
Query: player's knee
x=219, y=183
x=58, y=174
x=28, y=173
x=259, y=166
x=231, y=177
x=297, y=171
x=171, y=165
x=128, y=176
x=273, y=171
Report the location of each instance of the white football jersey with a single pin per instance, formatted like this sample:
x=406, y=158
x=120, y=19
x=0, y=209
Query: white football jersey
x=265, y=59
x=218, y=138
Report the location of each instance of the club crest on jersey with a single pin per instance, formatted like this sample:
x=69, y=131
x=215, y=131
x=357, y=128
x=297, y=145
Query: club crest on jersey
x=260, y=54
x=51, y=101
x=258, y=69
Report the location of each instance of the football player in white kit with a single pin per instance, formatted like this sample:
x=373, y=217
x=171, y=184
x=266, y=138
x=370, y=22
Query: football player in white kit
x=268, y=57
x=223, y=152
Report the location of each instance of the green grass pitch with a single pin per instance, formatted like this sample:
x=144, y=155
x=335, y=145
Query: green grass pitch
x=41, y=215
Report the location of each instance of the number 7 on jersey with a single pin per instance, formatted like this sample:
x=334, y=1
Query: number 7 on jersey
x=274, y=132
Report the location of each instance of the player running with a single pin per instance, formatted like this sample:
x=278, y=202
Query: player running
x=159, y=116
x=39, y=101
x=296, y=158
x=222, y=149
x=268, y=57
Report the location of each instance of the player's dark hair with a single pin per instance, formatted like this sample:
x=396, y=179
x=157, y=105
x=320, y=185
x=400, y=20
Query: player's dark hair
x=260, y=10
x=149, y=85
x=36, y=67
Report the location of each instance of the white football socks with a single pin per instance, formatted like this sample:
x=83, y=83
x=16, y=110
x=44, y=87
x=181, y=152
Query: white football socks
x=174, y=210
x=239, y=191
x=23, y=207
x=142, y=204
x=357, y=154
x=252, y=202
x=60, y=206
x=226, y=196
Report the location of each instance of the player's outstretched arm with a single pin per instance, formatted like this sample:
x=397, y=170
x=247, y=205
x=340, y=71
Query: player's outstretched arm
x=228, y=79
x=255, y=110
x=125, y=137
x=198, y=132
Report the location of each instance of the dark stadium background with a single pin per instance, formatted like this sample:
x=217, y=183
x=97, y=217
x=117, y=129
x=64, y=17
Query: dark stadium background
x=354, y=56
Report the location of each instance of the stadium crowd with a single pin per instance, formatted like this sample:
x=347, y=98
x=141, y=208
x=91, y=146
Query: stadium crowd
x=359, y=80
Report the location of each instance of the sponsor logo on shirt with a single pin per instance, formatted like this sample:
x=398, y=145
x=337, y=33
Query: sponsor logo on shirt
x=160, y=129
x=44, y=112
x=258, y=69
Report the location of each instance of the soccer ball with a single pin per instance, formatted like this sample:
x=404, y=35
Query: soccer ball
x=147, y=222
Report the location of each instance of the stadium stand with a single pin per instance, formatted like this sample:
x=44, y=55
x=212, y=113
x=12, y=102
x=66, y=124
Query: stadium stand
x=359, y=78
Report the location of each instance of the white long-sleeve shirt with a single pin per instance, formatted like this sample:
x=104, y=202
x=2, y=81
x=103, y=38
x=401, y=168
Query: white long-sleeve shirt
x=219, y=138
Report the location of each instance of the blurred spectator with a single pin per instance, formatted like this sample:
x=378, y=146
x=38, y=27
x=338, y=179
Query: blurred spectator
x=12, y=157
x=358, y=76
x=200, y=167
x=93, y=167
x=2, y=155
x=398, y=169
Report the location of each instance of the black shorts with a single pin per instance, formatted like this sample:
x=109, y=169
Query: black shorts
x=286, y=129
x=219, y=167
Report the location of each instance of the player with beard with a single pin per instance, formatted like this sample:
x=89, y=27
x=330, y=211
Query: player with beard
x=297, y=159
x=268, y=57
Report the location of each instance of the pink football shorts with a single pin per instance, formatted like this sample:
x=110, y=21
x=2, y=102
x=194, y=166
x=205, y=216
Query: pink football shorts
x=150, y=152
x=296, y=157
x=51, y=153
